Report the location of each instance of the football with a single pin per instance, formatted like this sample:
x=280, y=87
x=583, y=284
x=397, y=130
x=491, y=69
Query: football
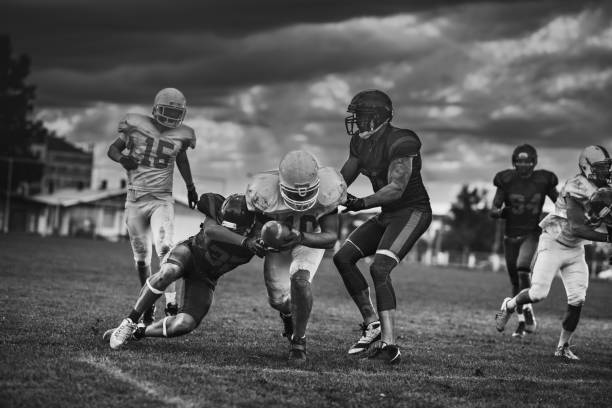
x=274, y=234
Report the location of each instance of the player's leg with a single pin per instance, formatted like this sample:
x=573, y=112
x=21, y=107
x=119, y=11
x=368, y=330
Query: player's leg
x=137, y=221
x=575, y=276
x=278, y=286
x=362, y=242
x=302, y=271
x=401, y=233
x=512, y=247
x=523, y=268
x=162, y=226
x=170, y=271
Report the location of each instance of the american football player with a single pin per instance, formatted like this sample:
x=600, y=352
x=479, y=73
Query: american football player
x=147, y=148
x=518, y=200
x=390, y=157
x=227, y=239
x=304, y=197
x=580, y=216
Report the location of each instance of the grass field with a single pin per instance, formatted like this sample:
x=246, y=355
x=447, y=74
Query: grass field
x=59, y=295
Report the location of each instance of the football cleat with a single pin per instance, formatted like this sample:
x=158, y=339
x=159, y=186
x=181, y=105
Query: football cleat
x=565, y=352
x=138, y=334
x=148, y=316
x=389, y=353
x=370, y=333
x=530, y=321
x=502, y=317
x=171, y=309
x=520, y=330
x=287, y=324
x=123, y=333
x=297, y=351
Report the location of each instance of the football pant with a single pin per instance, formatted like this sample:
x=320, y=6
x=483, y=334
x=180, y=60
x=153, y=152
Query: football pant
x=149, y=216
x=519, y=252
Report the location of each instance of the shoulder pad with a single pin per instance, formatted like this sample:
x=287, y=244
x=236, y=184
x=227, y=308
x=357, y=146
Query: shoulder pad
x=403, y=142
x=134, y=120
x=332, y=188
x=187, y=135
x=578, y=187
x=210, y=205
x=503, y=178
x=262, y=192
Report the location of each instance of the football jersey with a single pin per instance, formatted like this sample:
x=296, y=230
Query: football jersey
x=376, y=153
x=556, y=224
x=213, y=258
x=155, y=152
x=524, y=198
x=263, y=195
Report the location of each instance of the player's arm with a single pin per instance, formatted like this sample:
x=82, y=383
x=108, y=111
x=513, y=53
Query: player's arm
x=219, y=233
x=552, y=192
x=498, y=202
x=182, y=162
x=398, y=175
x=350, y=170
x=326, y=239
x=577, y=223
x=115, y=153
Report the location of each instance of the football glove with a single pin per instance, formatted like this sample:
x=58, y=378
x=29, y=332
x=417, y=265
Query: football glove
x=128, y=162
x=295, y=238
x=353, y=203
x=192, y=196
x=497, y=213
x=255, y=245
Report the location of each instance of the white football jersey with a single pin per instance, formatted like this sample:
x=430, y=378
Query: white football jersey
x=155, y=152
x=263, y=195
x=555, y=223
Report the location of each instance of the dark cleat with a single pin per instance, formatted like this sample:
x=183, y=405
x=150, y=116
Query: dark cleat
x=287, y=325
x=171, y=309
x=389, y=353
x=297, y=351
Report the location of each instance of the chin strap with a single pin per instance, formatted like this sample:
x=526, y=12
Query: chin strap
x=368, y=133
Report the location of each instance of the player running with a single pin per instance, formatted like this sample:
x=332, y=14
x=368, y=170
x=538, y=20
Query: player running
x=225, y=241
x=519, y=199
x=305, y=197
x=582, y=214
x=152, y=145
x=390, y=157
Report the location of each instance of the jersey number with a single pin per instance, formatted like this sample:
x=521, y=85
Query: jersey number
x=520, y=205
x=305, y=223
x=161, y=159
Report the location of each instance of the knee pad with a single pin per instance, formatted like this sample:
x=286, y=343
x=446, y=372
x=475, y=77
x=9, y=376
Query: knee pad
x=381, y=275
x=538, y=292
x=301, y=278
x=278, y=300
x=577, y=297
x=347, y=254
x=572, y=316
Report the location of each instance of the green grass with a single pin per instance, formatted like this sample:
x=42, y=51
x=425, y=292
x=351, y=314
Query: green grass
x=57, y=296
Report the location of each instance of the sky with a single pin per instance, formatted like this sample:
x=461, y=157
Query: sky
x=472, y=78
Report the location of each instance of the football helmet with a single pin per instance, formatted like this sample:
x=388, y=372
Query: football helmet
x=370, y=110
x=595, y=164
x=299, y=180
x=169, y=107
x=599, y=207
x=524, y=160
x=236, y=216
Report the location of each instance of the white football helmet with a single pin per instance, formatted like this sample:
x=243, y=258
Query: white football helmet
x=595, y=164
x=299, y=180
x=169, y=107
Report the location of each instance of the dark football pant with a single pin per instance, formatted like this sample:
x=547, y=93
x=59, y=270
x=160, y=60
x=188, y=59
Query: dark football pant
x=387, y=236
x=198, y=289
x=519, y=253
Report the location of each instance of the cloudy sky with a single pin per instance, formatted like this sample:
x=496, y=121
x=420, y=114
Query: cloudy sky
x=472, y=78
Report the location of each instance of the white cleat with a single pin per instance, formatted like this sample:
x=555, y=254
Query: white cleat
x=369, y=334
x=565, y=352
x=502, y=317
x=530, y=321
x=123, y=333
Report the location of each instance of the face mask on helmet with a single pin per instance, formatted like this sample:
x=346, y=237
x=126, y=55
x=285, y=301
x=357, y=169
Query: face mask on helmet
x=599, y=207
x=169, y=107
x=236, y=216
x=524, y=160
x=595, y=164
x=370, y=111
x=299, y=180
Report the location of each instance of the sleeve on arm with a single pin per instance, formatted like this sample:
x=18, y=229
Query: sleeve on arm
x=210, y=205
x=404, y=146
x=497, y=181
x=353, y=151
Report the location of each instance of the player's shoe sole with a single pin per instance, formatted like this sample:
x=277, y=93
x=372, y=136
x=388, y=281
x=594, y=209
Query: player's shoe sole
x=502, y=317
x=520, y=331
x=388, y=353
x=565, y=353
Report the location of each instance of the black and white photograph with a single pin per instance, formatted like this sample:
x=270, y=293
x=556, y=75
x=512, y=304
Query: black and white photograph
x=305, y=203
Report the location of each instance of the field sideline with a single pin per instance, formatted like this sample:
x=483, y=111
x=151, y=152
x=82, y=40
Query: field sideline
x=59, y=295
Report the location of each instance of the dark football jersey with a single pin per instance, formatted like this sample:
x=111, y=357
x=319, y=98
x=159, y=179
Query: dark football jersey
x=524, y=198
x=376, y=153
x=213, y=258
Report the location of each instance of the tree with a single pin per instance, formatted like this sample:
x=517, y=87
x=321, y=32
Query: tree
x=471, y=228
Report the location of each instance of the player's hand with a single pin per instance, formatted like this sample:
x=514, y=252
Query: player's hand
x=192, y=196
x=128, y=162
x=255, y=245
x=497, y=213
x=353, y=203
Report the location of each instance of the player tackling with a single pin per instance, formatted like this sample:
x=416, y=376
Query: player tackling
x=151, y=146
x=582, y=214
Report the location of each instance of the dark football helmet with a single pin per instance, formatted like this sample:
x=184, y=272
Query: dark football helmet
x=370, y=110
x=599, y=207
x=595, y=164
x=524, y=160
x=236, y=216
